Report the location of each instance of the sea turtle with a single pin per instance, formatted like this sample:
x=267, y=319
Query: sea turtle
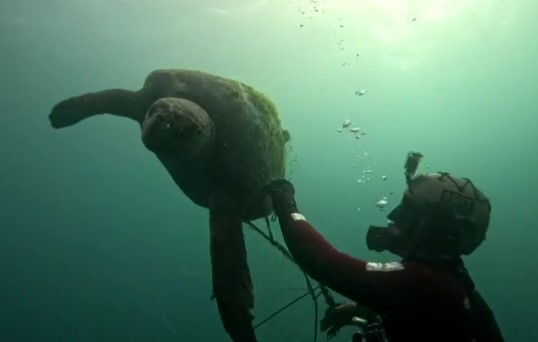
x=221, y=141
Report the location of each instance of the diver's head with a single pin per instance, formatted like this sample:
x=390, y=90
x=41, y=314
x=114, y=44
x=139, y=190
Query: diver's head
x=439, y=216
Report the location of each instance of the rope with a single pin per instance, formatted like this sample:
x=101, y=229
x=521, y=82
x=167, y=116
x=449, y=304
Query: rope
x=272, y=241
x=311, y=290
x=262, y=322
x=315, y=299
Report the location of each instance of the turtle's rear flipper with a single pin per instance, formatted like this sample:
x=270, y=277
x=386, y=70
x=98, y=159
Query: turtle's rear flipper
x=126, y=103
x=232, y=284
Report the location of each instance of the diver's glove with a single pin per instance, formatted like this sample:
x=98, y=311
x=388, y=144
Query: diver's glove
x=282, y=194
x=337, y=317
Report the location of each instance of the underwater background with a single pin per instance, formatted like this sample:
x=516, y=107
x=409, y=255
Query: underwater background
x=98, y=244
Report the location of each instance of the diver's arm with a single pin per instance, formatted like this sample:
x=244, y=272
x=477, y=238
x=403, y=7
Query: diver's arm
x=380, y=287
x=339, y=271
x=351, y=277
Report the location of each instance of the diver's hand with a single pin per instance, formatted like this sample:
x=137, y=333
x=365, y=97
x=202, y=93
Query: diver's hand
x=338, y=317
x=282, y=193
x=281, y=188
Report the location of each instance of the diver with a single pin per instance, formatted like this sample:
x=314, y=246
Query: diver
x=426, y=296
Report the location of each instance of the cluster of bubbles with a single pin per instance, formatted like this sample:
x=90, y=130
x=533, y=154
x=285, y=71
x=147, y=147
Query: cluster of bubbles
x=347, y=125
x=367, y=174
x=311, y=9
x=356, y=133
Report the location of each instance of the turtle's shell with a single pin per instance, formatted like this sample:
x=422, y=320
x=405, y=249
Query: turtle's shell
x=249, y=143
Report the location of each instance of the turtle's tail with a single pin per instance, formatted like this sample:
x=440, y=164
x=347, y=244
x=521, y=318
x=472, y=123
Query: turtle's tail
x=232, y=284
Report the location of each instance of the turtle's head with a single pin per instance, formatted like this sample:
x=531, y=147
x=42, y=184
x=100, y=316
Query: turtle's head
x=177, y=126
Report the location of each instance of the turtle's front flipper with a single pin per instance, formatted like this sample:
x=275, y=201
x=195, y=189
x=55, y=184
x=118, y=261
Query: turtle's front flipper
x=126, y=103
x=232, y=284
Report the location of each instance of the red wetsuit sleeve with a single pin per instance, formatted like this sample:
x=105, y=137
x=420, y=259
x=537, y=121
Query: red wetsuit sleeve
x=369, y=284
